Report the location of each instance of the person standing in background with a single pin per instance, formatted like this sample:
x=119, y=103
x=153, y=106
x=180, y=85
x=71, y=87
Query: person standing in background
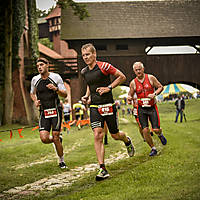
x=67, y=112
x=180, y=106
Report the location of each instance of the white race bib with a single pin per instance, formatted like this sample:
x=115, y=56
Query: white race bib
x=135, y=113
x=145, y=102
x=105, y=109
x=51, y=112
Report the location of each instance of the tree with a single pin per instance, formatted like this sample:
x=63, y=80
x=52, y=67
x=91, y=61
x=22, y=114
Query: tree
x=43, y=13
x=20, y=33
x=79, y=9
x=8, y=92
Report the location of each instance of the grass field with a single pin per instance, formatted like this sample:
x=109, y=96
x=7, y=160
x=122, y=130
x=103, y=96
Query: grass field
x=26, y=163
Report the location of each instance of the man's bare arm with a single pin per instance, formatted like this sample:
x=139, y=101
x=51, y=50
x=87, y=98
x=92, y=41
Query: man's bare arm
x=156, y=84
x=131, y=92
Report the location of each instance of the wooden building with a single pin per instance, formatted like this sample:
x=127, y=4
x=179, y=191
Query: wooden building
x=121, y=32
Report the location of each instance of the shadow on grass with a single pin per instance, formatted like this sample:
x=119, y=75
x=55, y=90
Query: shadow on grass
x=195, y=120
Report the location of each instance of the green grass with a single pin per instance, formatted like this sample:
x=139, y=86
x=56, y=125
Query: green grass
x=172, y=175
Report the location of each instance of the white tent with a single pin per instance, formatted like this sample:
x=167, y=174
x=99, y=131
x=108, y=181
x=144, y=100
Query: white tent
x=124, y=90
x=190, y=89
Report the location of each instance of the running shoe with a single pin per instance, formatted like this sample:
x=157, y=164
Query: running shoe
x=153, y=152
x=130, y=148
x=102, y=174
x=62, y=165
x=163, y=139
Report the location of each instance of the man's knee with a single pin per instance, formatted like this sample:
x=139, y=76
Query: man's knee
x=145, y=130
x=98, y=134
x=44, y=137
x=56, y=138
x=45, y=140
x=115, y=136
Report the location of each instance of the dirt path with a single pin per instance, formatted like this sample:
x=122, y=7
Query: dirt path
x=50, y=157
x=65, y=179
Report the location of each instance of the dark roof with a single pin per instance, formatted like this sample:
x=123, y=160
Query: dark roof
x=136, y=19
x=56, y=12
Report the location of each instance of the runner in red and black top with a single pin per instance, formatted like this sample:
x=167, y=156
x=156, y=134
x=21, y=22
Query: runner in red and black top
x=102, y=107
x=45, y=88
x=146, y=86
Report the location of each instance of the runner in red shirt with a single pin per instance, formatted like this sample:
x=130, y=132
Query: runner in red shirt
x=102, y=106
x=146, y=86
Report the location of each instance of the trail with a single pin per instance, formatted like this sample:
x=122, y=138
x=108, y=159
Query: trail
x=50, y=157
x=65, y=179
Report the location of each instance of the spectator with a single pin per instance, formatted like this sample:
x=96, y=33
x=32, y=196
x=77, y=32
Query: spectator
x=180, y=106
x=79, y=109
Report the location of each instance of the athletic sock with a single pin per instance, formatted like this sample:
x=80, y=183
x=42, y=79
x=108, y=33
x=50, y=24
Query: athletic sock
x=153, y=148
x=61, y=159
x=128, y=143
x=103, y=167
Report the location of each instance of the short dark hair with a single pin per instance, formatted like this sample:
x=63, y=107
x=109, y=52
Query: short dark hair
x=44, y=60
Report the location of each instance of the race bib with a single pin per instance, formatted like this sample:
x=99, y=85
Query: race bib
x=105, y=109
x=146, y=102
x=135, y=113
x=48, y=113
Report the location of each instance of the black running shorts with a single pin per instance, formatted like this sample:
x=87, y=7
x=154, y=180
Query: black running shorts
x=97, y=120
x=48, y=123
x=151, y=113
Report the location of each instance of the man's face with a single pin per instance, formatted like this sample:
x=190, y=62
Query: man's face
x=88, y=56
x=139, y=71
x=42, y=67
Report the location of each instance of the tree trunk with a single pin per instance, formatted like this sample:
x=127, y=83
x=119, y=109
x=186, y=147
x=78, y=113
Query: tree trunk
x=8, y=90
x=27, y=107
x=24, y=43
x=19, y=113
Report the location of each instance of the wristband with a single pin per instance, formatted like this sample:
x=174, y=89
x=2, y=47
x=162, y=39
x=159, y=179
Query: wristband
x=110, y=87
x=155, y=94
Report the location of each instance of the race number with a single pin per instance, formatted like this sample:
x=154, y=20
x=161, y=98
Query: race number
x=146, y=102
x=105, y=109
x=48, y=113
x=135, y=113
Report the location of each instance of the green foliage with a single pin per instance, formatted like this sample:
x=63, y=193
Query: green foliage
x=2, y=47
x=18, y=28
x=2, y=55
x=79, y=9
x=44, y=13
x=117, y=92
x=46, y=42
x=172, y=175
x=33, y=30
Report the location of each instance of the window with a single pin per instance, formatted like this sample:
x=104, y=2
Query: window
x=121, y=47
x=101, y=47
